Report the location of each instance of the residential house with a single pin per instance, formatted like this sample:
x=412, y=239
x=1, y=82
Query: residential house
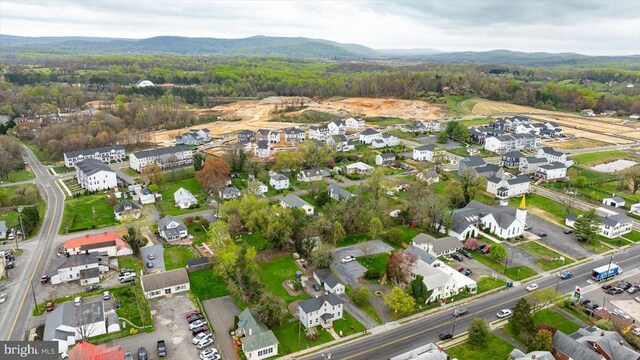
x=278, y=181
x=471, y=162
x=481, y=133
x=385, y=158
x=384, y=141
x=320, y=133
x=413, y=127
x=194, y=137
x=550, y=129
x=184, y=199
x=321, y=310
x=553, y=155
x=294, y=201
x=272, y=136
x=507, y=188
x=527, y=129
x=337, y=142
x=429, y=351
x=634, y=209
x=533, y=355
x=330, y=283
x=166, y=158
x=294, y=135
x=94, y=175
x=87, y=351
x=129, y=209
x=336, y=127
x=428, y=176
x=86, y=267
x=263, y=149
x=171, y=228
x=489, y=170
x=515, y=142
x=511, y=159
x=612, y=224
x=312, y=175
x=229, y=193
x=67, y=323
x=529, y=165
x=437, y=247
x=258, y=342
x=504, y=222
x=109, y=243
x=257, y=188
x=142, y=194
x=359, y=168
x=614, y=201
x=105, y=154
x=424, y=152
x=246, y=135
x=592, y=343
x=432, y=126
x=338, y=193
x=165, y=283
x=367, y=136
x=552, y=171
x=354, y=124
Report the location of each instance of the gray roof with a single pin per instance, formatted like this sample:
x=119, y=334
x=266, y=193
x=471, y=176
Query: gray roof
x=609, y=341
x=369, y=131
x=552, y=166
x=314, y=172
x=87, y=152
x=120, y=207
x=230, y=191
x=162, y=225
x=429, y=147
x=314, y=304
x=293, y=131
x=536, y=160
x=112, y=319
x=91, y=273
x=551, y=151
x=538, y=355
x=277, y=177
x=247, y=132
x=339, y=192
x=512, y=154
x=421, y=254
x=388, y=155
x=570, y=347
x=83, y=259
x=294, y=201
x=339, y=138
x=489, y=169
x=473, y=161
x=439, y=245
x=165, y=279
x=462, y=218
x=326, y=277
x=263, y=144
x=520, y=179
x=92, y=166
x=161, y=151
x=71, y=316
x=616, y=199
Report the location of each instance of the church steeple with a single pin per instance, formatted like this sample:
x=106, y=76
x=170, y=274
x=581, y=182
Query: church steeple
x=523, y=203
x=521, y=211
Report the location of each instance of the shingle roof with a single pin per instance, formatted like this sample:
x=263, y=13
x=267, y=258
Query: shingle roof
x=86, y=152
x=387, y=156
x=82, y=259
x=369, y=131
x=263, y=144
x=536, y=160
x=616, y=199
x=89, y=273
x=162, y=225
x=512, y=154
x=165, y=279
x=277, y=177
x=572, y=348
x=421, y=254
x=520, y=179
x=294, y=201
x=473, y=161
x=120, y=207
x=552, y=166
x=429, y=147
x=551, y=151
x=339, y=192
x=161, y=151
x=314, y=304
x=92, y=166
x=259, y=341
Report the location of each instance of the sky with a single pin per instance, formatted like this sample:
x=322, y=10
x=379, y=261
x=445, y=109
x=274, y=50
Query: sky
x=607, y=27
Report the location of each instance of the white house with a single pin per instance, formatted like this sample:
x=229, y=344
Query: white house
x=508, y=188
x=552, y=171
x=612, y=224
x=437, y=247
x=258, y=342
x=367, y=136
x=109, y=243
x=184, y=199
x=142, y=195
x=515, y=142
x=526, y=129
x=194, y=137
x=385, y=158
x=503, y=221
x=293, y=135
x=337, y=142
x=278, y=181
x=229, y=193
x=263, y=149
x=614, y=201
x=94, y=175
x=320, y=310
x=359, y=168
x=127, y=209
x=555, y=156
x=354, y=124
x=429, y=351
x=424, y=152
x=165, y=283
x=105, y=154
x=171, y=228
x=86, y=267
x=529, y=164
x=257, y=188
x=68, y=323
x=294, y=201
x=319, y=133
x=338, y=193
x=312, y=175
x=428, y=176
x=330, y=283
x=635, y=209
x=336, y=127
x=384, y=141
x=166, y=157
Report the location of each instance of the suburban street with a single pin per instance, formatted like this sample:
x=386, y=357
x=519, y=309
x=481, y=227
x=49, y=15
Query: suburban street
x=16, y=312
x=405, y=337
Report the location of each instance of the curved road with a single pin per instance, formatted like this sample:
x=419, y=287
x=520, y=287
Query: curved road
x=16, y=312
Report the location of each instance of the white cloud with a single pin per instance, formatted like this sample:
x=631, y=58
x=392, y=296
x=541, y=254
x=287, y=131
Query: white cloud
x=589, y=27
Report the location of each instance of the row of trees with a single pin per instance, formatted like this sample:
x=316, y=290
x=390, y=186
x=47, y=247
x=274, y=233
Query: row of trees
x=10, y=156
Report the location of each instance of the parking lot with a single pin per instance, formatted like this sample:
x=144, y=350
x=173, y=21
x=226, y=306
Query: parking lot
x=478, y=269
x=350, y=272
x=171, y=326
x=221, y=312
x=565, y=243
x=624, y=301
x=157, y=253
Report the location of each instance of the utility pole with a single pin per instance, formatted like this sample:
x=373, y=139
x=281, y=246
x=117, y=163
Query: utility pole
x=34, y=297
x=20, y=208
x=453, y=331
x=558, y=283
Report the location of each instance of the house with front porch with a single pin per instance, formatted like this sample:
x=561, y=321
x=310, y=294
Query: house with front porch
x=171, y=228
x=321, y=310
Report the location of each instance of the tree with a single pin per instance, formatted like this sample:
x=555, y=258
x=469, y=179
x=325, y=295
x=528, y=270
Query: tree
x=321, y=256
x=30, y=219
x=236, y=157
x=399, y=301
x=522, y=320
x=631, y=179
x=442, y=137
x=288, y=160
x=399, y=266
x=439, y=159
x=479, y=332
x=133, y=239
x=271, y=309
x=425, y=205
x=198, y=161
x=471, y=243
x=10, y=155
x=375, y=228
x=152, y=174
x=316, y=188
x=541, y=341
x=213, y=175
x=419, y=290
x=375, y=185
x=498, y=252
x=360, y=295
x=337, y=233
x=470, y=183
x=541, y=298
x=279, y=229
x=586, y=226
x=315, y=154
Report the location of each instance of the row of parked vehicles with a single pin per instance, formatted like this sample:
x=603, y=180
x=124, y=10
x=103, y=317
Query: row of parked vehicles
x=202, y=338
x=620, y=287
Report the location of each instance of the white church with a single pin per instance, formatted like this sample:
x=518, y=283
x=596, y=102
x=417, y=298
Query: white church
x=503, y=221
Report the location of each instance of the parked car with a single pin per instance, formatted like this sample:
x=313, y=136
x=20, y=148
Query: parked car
x=592, y=306
x=49, y=306
x=142, y=353
x=209, y=354
x=44, y=279
x=77, y=301
x=632, y=290
x=567, y=232
x=93, y=288
x=542, y=234
x=347, y=259
x=636, y=331
x=196, y=324
x=198, y=330
x=566, y=275
x=466, y=254
x=532, y=287
x=527, y=227
x=606, y=287
x=445, y=336
x=195, y=318
x=457, y=257
x=204, y=343
x=106, y=295
x=481, y=247
x=615, y=291
x=116, y=304
x=190, y=313
x=316, y=287
x=128, y=355
x=467, y=272
x=460, y=312
x=460, y=268
x=503, y=313
x=637, y=299
x=585, y=302
x=151, y=256
x=202, y=336
x=486, y=249
x=161, y=347
x=622, y=314
x=149, y=264
x=624, y=285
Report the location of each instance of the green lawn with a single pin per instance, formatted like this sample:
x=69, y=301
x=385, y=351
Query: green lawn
x=634, y=236
x=206, y=284
x=476, y=122
x=308, y=198
x=133, y=306
x=129, y=171
x=40, y=154
x=615, y=242
x=518, y=272
x=376, y=262
x=78, y=213
x=495, y=348
x=62, y=169
x=197, y=231
x=463, y=151
x=353, y=239
x=275, y=272
x=557, y=210
x=547, y=316
x=291, y=340
x=544, y=254
x=167, y=205
x=130, y=262
x=487, y=283
x=256, y=240
x=20, y=175
x=602, y=157
x=347, y=325
x=176, y=257
x=384, y=121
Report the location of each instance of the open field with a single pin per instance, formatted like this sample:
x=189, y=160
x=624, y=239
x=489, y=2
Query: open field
x=548, y=316
x=79, y=213
x=275, y=272
x=603, y=157
x=495, y=348
x=580, y=143
x=205, y=284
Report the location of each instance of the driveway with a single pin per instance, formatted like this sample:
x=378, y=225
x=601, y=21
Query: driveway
x=157, y=252
x=170, y=326
x=556, y=239
x=432, y=139
x=221, y=312
x=350, y=272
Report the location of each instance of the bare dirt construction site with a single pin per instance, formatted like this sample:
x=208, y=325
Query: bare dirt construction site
x=258, y=114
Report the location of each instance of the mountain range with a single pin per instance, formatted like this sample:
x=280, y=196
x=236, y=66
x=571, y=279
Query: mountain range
x=289, y=47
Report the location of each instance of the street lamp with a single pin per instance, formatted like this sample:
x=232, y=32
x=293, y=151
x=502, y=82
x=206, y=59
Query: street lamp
x=20, y=208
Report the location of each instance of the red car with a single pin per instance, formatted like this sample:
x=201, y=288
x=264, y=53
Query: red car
x=486, y=249
x=49, y=306
x=190, y=313
x=44, y=279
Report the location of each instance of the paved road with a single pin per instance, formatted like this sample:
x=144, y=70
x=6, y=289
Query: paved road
x=16, y=312
x=413, y=334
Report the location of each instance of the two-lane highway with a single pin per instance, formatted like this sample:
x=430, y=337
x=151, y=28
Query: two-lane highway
x=16, y=312
x=411, y=335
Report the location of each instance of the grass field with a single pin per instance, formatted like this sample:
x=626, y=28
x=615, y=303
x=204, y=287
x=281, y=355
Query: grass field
x=348, y=325
x=547, y=316
x=20, y=175
x=518, y=272
x=634, y=236
x=602, y=157
x=133, y=306
x=129, y=171
x=555, y=209
x=353, y=239
x=287, y=335
x=376, y=262
x=205, y=284
x=78, y=213
x=476, y=122
x=495, y=348
x=256, y=240
x=384, y=121
x=62, y=169
x=463, y=151
x=580, y=143
x=486, y=283
x=167, y=205
x=176, y=257
x=544, y=254
x=197, y=231
x=275, y=272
